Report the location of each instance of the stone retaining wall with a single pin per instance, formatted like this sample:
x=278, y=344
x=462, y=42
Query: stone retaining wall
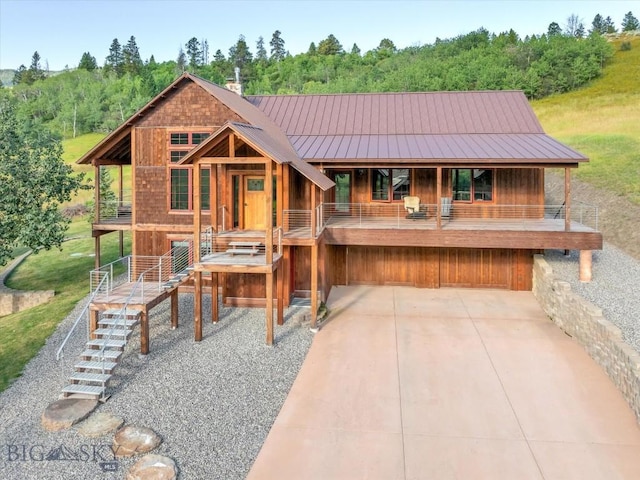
x=584, y=321
x=13, y=301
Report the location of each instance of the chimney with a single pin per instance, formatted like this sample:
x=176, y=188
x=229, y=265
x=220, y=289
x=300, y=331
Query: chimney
x=236, y=86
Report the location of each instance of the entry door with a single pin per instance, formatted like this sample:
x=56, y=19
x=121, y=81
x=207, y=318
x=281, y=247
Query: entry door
x=255, y=208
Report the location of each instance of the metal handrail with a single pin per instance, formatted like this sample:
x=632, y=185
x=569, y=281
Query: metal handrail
x=60, y=351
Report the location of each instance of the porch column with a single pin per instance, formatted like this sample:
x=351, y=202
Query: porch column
x=144, y=331
x=214, y=297
x=96, y=246
x=174, y=309
x=314, y=284
x=269, y=294
x=567, y=199
x=96, y=193
x=280, y=292
x=585, y=266
x=197, y=277
x=268, y=241
x=439, y=198
x=197, y=294
x=313, y=210
x=279, y=196
x=120, y=199
x=213, y=204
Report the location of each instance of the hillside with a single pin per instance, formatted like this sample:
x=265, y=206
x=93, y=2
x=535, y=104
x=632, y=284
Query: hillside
x=602, y=120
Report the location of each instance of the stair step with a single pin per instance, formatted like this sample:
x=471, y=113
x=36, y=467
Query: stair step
x=91, y=377
x=108, y=354
x=114, y=332
x=112, y=343
x=83, y=389
x=119, y=321
x=115, y=312
x=87, y=365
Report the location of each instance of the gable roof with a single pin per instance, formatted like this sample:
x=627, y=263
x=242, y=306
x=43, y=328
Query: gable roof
x=486, y=127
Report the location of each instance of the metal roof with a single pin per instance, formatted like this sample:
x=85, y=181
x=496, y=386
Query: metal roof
x=489, y=126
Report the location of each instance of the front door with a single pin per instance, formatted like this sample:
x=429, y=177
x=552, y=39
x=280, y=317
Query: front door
x=255, y=208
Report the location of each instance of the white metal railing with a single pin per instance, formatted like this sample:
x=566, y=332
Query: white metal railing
x=296, y=220
x=118, y=210
x=370, y=215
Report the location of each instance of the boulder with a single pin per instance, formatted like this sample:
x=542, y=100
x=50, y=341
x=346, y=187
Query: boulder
x=132, y=440
x=99, y=424
x=153, y=467
x=62, y=414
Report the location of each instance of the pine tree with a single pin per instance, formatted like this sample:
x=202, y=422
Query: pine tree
x=312, y=49
x=355, y=50
x=19, y=75
x=88, y=62
x=239, y=54
x=261, y=52
x=597, y=25
x=204, y=57
x=630, y=23
x=194, y=53
x=181, y=62
x=218, y=57
x=131, y=61
x=609, y=26
x=277, y=46
x=114, y=61
x=330, y=46
x=35, y=70
x=554, y=29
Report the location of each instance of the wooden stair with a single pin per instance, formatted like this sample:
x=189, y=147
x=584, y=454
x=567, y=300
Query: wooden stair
x=102, y=354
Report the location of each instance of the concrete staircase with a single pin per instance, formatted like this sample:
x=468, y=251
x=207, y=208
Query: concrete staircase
x=102, y=354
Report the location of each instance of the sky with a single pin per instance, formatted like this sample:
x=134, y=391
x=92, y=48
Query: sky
x=62, y=30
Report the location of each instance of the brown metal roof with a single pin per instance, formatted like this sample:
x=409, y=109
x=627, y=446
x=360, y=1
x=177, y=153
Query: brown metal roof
x=426, y=113
x=472, y=147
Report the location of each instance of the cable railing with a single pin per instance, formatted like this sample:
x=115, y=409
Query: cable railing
x=297, y=221
x=116, y=210
x=372, y=215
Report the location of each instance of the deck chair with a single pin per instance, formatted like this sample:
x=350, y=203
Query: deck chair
x=445, y=210
x=412, y=206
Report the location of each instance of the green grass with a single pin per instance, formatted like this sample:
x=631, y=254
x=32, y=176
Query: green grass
x=23, y=334
x=602, y=121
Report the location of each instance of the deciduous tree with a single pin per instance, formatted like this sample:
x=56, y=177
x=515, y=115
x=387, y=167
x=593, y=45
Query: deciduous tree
x=34, y=181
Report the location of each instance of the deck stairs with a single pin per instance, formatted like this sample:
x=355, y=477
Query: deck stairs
x=101, y=355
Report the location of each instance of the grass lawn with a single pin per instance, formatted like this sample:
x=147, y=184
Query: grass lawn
x=23, y=334
x=602, y=121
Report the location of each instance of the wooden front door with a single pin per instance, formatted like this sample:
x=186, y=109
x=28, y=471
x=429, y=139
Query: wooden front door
x=255, y=208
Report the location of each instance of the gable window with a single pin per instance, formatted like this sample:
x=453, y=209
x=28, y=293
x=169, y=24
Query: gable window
x=472, y=185
x=390, y=184
x=181, y=186
x=180, y=143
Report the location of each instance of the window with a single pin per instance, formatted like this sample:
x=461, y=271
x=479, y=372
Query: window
x=176, y=155
x=472, y=185
x=390, y=184
x=182, y=186
x=197, y=138
x=179, y=139
x=180, y=143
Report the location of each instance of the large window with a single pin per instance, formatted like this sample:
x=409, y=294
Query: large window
x=182, y=185
x=472, y=185
x=390, y=184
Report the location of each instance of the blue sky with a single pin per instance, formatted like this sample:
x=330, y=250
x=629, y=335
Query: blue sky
x=62, y=30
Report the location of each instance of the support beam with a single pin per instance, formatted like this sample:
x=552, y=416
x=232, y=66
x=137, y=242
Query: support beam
x=93, y=323
x=197, y=213
x=269, y=312
x=268, y=241
x=96, y=194
x=567, y=199
x=197, y=311
x=120, y=199
x=314, y=285
x=313, y=210
x=144, y=332
x=279, y=195
x=280, y=292
x=214, y=297
x=174, y=309
x=439, y=198
x=585, y=265
x=213, y=183
x=96, y=247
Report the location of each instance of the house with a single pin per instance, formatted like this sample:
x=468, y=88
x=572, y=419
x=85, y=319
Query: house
x=295, y=194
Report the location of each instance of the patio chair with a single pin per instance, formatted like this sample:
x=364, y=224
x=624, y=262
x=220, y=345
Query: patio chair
x=412, y=206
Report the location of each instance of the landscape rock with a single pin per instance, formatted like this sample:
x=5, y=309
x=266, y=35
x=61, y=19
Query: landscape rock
x=132, y=440
x=99, y=424
x=153, y=467
x=62, y=414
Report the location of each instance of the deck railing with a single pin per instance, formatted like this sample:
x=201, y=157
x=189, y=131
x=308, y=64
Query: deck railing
x=368, y=215
x=118, y=211
x=296, y=220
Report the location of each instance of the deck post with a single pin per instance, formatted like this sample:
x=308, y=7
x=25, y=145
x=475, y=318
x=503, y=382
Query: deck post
x=314, y=284
x=567, y=199
x=214, y=297
x=439, y=198
x=174, y=309
x=144, y=331
x=268, y=241
x=93, y=323
x=279, y=195
x=120, y=200
x=213, y=207
x=197, y=293
x=197, y=213
x=313, y=211
x=96, y=247
x=269, y=312
x=280, y=292
x=585, y=266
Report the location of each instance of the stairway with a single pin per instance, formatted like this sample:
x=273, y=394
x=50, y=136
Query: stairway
x=102, y=354
x=176, y=279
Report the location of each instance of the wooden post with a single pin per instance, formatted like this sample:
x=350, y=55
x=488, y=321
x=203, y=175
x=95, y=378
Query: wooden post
x=314, y=284
x=313, y=210
x=585, y=266
x=279, y=195
x=439, y=198
x=567, y=199
x=197, y=213
x=268, y=241
x=214, y=198
x=96, y=194
x=214, y=297
x=96, y=247
x=120, y=198
x=269, y=312
x=174, y=309
x=93, y=323
x=280, y=292
x=144, y=332
x=197, y=293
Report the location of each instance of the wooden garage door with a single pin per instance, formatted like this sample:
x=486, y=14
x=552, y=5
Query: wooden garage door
x=481, y=268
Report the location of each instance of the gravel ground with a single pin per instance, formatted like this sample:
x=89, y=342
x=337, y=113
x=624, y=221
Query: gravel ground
x=212, y=402
x=614, y=286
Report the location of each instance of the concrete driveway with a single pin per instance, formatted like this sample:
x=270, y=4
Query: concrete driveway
x=406, y=383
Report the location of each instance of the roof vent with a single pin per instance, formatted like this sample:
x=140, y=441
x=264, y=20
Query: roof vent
x=236, y=86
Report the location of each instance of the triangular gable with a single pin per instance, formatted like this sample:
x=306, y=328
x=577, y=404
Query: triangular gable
x=263, y=143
